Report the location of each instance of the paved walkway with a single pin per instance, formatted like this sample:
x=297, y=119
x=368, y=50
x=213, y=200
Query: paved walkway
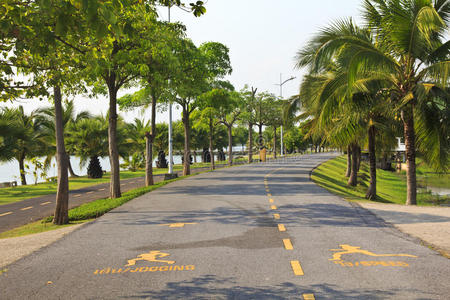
x=430, y=224
x=30, y=210
x=250, y=232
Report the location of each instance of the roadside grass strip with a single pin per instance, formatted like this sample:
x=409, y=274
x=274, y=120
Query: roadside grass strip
x=100, y=207
x=391, y=186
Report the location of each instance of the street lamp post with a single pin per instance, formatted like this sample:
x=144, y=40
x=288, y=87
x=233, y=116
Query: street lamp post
x=170, y=132
x=281, y=97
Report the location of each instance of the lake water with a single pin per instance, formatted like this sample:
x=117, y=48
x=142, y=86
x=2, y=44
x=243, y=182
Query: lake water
x=9, y=171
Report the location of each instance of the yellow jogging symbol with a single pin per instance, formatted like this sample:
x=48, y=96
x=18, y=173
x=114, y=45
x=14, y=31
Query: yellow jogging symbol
x=347, y=249
x=152, y=256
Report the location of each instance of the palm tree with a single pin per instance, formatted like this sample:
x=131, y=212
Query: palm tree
x=26, y=138
x=403, y=46
x=69, y=118
x=88, y=139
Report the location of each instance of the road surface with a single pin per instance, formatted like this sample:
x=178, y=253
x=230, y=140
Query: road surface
x=263, y=231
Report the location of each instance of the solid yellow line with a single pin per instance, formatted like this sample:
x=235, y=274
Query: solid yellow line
x=27, y=208
x=281, y=227
x=309, y=297
x=271, y=200
x=45, y=203
x=297, y=268
x=276, y=216
x=273, y=207
x=287, y=244
x=6, y=213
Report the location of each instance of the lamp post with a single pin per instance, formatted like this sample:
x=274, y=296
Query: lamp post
x=281, y=97
x=170, y=132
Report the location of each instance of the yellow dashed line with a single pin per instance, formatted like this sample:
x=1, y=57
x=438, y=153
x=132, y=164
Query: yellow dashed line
x=5, y=214
x=287, y=244
x=270, y=200
x=281, y=227
x=297, y=268
x=269, y=194
x=27, y=208
x=276, y=216
x=78, y=195
x=273, y=207
x=309, y=297
x=90, y=192
x=45, y=203
x=102, y=189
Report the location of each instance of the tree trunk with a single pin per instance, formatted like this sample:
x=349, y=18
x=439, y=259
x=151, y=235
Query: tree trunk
x=349, y=161
x=148, y=160
x=230, y=146
x=149, y=138
x=410, y=138
x=353, y=180
x=260, y=136
x=372, y=191
x=250, y=143
x=114, y=187
x=274, y=142
x=358, y=156
x=187, y=142
x=62, y=194
x=211, y=149
x=23, y=178
x=69, y=165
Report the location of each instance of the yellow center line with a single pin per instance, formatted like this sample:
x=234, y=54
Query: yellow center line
x=90, y=192
x=45, y=203
x=78, y=195
x=273, y=207
x=102, y=189
x=269, y=194
x=27, y=208
x=309, y=297
x=287, y=244
x=297, y=268
x=281, y=227
x=5, y=214
x=270, y=200
x=276, y=216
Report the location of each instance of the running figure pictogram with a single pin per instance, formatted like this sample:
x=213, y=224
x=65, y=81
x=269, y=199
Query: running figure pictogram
x=152, y=256
x=347, y=249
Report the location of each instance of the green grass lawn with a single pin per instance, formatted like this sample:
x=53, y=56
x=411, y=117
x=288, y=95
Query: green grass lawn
x=85, y=212
x=391, y=186
x=14, y=194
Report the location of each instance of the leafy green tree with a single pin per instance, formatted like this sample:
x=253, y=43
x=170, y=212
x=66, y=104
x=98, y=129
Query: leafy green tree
x=248, y=116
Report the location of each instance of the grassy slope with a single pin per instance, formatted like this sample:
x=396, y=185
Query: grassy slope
x=391, y=187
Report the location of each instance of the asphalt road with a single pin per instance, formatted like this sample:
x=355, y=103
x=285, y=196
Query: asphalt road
x=252, y=232
x=29, y=210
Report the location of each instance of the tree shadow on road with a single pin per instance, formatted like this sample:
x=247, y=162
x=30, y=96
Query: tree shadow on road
x=214, y=287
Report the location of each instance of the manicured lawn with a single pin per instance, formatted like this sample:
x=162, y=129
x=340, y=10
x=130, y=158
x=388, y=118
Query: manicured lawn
x=391, y=186
x=14, y=194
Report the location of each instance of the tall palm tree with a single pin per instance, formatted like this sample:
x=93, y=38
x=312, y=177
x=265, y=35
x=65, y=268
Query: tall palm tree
x=404, y=45
x=69, y=118
x=29, y=140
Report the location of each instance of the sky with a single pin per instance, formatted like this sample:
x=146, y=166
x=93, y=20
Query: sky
x=263, y=37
